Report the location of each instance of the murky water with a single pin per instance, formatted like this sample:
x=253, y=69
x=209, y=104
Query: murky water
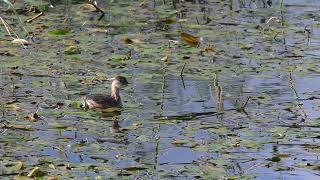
x=246, y=110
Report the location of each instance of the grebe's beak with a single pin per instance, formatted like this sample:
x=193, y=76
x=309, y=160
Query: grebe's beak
x=111, y=79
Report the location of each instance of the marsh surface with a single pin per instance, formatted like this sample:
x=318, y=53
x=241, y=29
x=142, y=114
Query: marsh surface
x=247, y=106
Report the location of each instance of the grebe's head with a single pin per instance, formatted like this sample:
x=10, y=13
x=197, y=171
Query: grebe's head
x=119, y=81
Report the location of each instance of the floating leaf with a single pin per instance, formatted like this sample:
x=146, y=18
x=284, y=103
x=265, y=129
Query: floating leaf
x=246, y=46
x=131, y=41
x=33, y=117
x=143, y=138
x=36, y=172
x=189, y=39
x=58, y=126
x=76, y=104
x=98, y=30
x=22, y=178
x=20, y=41
x=134, y=168
x=110, y=110
x=232, y=178
x=14, y=167
x=72, y=50
x=283, y=155
x=19, y=165
x=168, y=21
x=53, y=178
x=212, y=170
x=275, y=159
x=128, y=40
x=180, y=141
x=165, y=58
x=201, y=148
x=88, y=8
x=58, y=32
x=20, y=127
x=182, y=20
x=52, y=166
x=142, y=4
x=210, y=50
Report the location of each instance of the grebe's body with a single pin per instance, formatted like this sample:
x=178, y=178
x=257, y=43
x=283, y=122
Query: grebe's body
x=101, y=101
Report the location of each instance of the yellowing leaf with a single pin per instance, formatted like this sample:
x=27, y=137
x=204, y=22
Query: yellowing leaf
x=189, y=39
x=179, y=142
x=165, y=58
x=72, y=50
x=36, y=172
x=53, y=178
x=246, y=46
x=19, y=165
x=18, y=177
x=142, y=4
x=52, y=166
x=58, y=32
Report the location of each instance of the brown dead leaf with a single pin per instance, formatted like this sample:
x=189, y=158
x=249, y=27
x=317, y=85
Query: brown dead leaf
x=128, y=40
x=68, y=167
x=168, y=21
x=210, y=50
x=190, y=39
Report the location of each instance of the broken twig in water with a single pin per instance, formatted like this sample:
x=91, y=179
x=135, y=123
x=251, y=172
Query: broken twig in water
x=243, y=106
x=94, y=4
x=184, y=65
x=34, y=17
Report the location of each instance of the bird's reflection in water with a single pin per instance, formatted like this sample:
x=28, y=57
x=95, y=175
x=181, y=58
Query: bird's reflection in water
x=114, y=127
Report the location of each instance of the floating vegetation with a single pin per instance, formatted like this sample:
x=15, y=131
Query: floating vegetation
x=218, y=89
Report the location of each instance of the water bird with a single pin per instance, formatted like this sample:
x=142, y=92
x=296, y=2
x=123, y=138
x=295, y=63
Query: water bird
x=103, y=101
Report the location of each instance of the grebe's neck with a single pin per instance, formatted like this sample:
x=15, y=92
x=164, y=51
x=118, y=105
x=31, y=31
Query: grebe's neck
x=115, y=90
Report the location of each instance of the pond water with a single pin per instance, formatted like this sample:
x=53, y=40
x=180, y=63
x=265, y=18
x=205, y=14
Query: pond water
x=245, y=107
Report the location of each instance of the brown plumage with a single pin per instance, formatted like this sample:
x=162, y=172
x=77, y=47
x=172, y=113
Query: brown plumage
x=102, y=101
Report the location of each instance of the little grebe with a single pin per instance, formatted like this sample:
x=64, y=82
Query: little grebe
x=101, y=101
